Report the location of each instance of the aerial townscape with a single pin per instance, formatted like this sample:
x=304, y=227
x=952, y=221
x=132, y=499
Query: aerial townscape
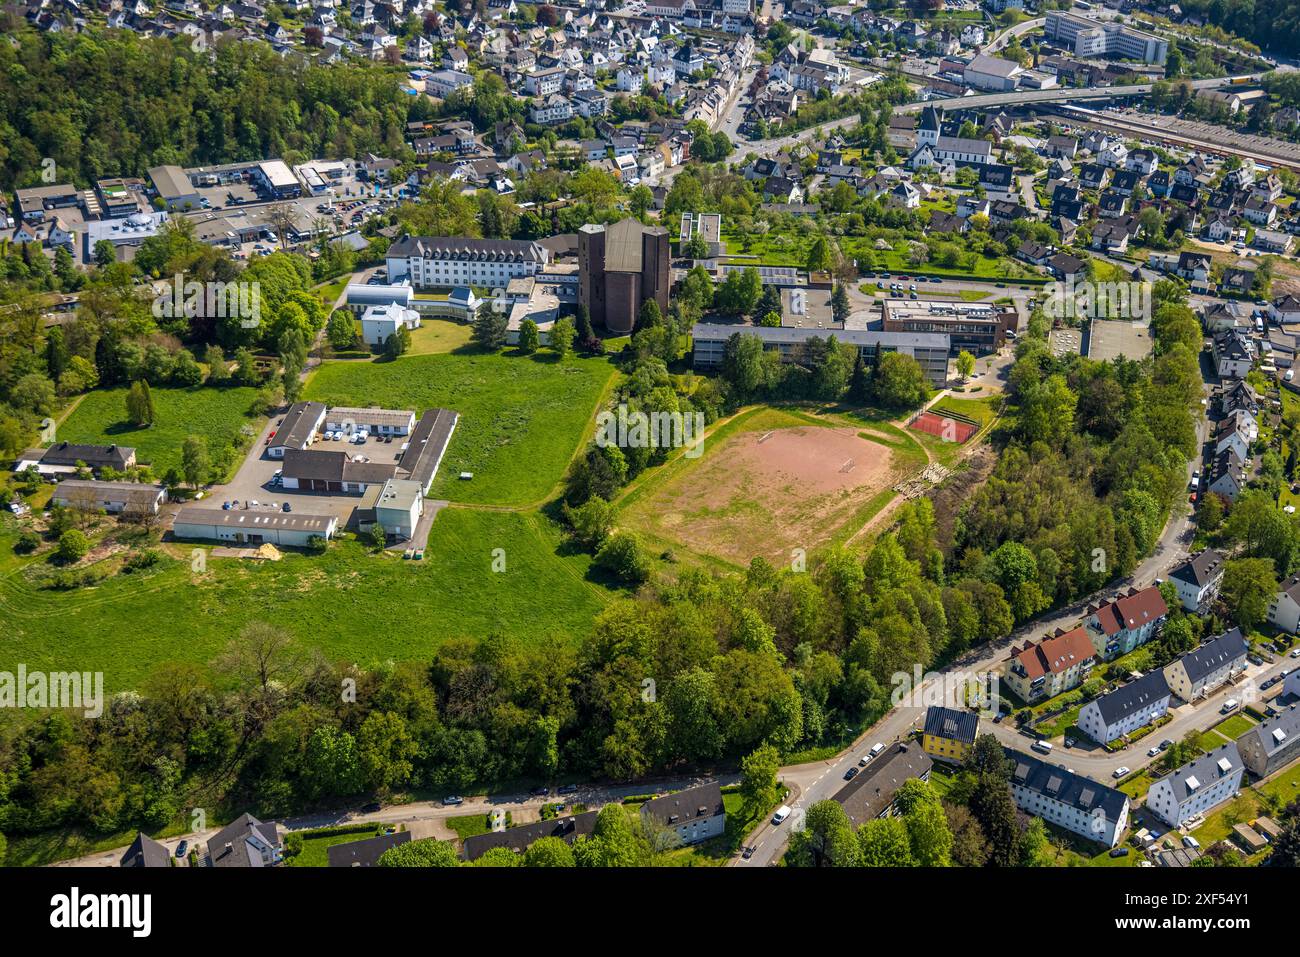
x=650, y=433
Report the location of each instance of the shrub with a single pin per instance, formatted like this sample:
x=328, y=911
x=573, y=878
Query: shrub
x=27, y=543
x=623, y=556
x=73, y=546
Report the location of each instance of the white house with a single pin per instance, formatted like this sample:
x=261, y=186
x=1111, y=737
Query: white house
x=1197, y=786
x=1197, y=580
x=380, y=322
x=1068, y=800
x=1125, y=709
x=1284, y=610
x=399, y=507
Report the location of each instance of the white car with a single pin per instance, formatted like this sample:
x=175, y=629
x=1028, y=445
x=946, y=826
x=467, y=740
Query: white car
x=1120, y=772
x=1154, y=751
x=329, y=436
x=1295, y=653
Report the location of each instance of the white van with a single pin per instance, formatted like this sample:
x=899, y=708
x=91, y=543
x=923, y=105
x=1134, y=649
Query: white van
x=875, y=749
x=1042, y=747
x=1191, y=842
x=1229, y=705
x=781, y=814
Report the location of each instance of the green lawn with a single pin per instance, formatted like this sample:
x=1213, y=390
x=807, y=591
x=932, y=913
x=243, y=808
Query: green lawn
x=472, y=825
x=215, y=414
x=316, y=844
x=1235, y=726
x=521, y=418
x=351, y=603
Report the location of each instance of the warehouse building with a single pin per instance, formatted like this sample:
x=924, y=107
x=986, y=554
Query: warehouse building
x=250, y=527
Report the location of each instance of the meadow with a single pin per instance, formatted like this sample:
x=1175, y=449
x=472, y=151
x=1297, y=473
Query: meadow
x=351, y=603
x=521, y=418
x=216, y=415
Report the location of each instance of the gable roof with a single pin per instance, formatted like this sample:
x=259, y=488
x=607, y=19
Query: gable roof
x=365, y=853
x=1276, y=734
x=872, y=790
x=236, y=834
x=1134, y=696
x=1214, y=654
x=1208, y=768
x=1132, y=611
x=671, y=810
x=1056, y=654
x=145, y=852
x=1064, y=786
x=519, y=839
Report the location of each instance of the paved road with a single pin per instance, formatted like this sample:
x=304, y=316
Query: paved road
x=1062, y=95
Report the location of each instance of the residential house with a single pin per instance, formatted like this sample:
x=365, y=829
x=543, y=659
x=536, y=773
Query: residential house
x=949, y=734
x=365, y=853
x=1198, y=580
x=1068, y=800
x=1233, y=355
x=1271, y=744
x=870, y=795
x=1284, y=609
x=1226, y=475
x=1053, y=666
x=1127, y=708
x=1197, y=787
x=146, y=852
x=694, y=815
x=1117, y=627
x=1203, y=669
x=245, y=842
x=116, y=498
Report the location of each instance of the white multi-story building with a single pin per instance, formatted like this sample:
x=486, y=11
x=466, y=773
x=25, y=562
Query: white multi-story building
x=1068, y=800
x=444, y=83
x=630, y=80
x=1091, y=38
x=447, y=261
x=1198, y=578
x=1198, y=786
x=1284, y=610
x=1125, y=709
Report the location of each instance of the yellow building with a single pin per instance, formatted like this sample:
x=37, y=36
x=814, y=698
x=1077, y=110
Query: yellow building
x=949, y=734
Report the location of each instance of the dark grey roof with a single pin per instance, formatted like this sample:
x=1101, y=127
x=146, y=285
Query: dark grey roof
x=1205, y=770
x=461, y=248
x=95, y=456
x=1214, y=654
x=673, y=810
x=951, y=724
x=297, y=425
x=145, y=852
x=1278, y=733
x=1200, y=570
x=334, y=466
x=1064, y=786
x=1134, y=696
x=867, y=796
x=365, y=853
x=428, y=444
x=236, y=834
x=519, y=839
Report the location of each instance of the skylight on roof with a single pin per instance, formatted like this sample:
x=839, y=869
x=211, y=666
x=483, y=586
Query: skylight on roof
x=1192, y=783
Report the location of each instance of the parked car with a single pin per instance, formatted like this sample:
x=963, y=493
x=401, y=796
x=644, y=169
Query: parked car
x=1229, y=705
x=452, y=800
x=181, y=848
x=1119, y=852
x=371, y=808
x=540, y=792
x=747, y=853
x=876, y=749
x=1120, y=772
x=781, y=814
x=286, y=507
x=567, y=789
x=1295, y=653
x=850, y=774
x=1154, y=751
x=1166, y=744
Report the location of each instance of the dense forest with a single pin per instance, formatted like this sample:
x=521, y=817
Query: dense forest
x=105, y=103
x=1270, y=24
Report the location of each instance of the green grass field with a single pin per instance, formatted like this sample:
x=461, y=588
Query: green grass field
x=351, y=603
x=521, y=419
x=316, y=844
x=215, y=414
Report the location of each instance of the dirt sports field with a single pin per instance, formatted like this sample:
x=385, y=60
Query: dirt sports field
x=768, y=490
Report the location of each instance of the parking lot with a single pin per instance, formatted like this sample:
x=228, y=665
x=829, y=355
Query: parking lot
x=253, y=481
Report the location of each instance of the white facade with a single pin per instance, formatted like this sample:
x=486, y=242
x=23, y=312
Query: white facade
x=1197, y=787
x=380, y=322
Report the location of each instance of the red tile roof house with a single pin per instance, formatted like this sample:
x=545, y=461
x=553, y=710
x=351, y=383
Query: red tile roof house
x=1051, y=667
x=1119, y=626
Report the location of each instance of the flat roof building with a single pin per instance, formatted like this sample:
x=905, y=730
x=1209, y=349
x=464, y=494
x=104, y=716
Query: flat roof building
x=930, y=350
x=979, y=327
